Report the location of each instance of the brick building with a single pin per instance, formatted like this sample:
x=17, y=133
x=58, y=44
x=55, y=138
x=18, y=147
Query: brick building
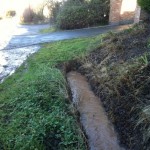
x=124, y=11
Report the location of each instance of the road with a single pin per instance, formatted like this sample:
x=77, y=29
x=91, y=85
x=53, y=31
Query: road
x=17, y=42
x=32, y=36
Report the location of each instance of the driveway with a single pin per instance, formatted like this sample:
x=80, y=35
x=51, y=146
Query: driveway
x=17, y=42
x=32, y=36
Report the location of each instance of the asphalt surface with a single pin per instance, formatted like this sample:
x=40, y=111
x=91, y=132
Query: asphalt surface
x=32, y=36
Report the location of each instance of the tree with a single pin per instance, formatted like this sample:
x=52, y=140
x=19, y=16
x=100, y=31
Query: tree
x=145, y=4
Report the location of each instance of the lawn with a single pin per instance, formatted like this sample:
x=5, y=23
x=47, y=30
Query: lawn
x=35, y=111
x=49, y=29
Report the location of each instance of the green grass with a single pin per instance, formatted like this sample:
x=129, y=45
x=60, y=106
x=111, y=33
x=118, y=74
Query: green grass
x=34, y=107
x=49, y=30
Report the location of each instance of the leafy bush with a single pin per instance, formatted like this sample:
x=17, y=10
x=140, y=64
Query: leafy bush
x=37, y=17
x=10, y=13
x=54, y=9
x=72, y=17
x=145, y=4
x=79, y=14
x=30, y=15
x=98, y=11
x=27, y=16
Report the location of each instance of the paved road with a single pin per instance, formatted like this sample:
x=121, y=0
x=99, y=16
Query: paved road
x=17, y=42
x=13, y=58
x=32, y=37
x=11, y=33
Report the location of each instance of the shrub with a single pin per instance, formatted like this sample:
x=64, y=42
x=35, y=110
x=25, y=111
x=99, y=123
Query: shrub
x=10, y=13
x=38, y=17
x=54, y=9
x=80, y=13
x=27, y=16
x=72, y=17
x=98, y=11
x=145, y=4
x=31, y=16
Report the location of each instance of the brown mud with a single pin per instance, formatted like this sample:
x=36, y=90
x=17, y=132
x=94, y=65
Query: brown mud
x=100, y=132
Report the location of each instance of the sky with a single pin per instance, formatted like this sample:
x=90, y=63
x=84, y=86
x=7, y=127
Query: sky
x=17, y=4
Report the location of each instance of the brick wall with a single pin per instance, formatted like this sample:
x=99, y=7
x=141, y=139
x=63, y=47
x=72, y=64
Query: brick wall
x=122, y=11
x=115, y=8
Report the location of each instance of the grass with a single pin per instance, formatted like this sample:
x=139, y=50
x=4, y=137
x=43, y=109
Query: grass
x=34, y=107
x=49, y=30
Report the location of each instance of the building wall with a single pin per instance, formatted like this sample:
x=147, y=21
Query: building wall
x=122, y=11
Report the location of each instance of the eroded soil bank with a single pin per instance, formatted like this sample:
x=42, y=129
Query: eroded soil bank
x=100, y=132
x=119, y=74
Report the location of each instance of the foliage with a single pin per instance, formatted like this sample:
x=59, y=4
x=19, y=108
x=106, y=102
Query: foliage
x=145, y=4
x=34, y=108
x=49, y=29
x=27, y=16
x=32, y=15
x=73, y=17
x=10, y=13
x=79, y=14
x=54, y=11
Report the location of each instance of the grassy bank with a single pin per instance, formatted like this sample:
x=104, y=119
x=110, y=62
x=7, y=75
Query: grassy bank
x=49, y=30
x=35, y=112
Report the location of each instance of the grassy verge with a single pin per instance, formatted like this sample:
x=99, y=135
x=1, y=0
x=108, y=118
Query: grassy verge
x=34, y=109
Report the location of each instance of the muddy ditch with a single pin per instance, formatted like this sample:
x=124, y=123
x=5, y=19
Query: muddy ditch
x=93, y=120
x=99, y=131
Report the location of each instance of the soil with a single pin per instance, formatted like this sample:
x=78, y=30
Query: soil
x=119, y=74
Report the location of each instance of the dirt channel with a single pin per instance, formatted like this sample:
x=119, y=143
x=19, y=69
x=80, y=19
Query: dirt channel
x=100, y=132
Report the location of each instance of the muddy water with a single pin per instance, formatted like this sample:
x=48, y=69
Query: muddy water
x=100, y=133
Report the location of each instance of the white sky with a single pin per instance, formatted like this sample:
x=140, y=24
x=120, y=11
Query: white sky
x=17, y=4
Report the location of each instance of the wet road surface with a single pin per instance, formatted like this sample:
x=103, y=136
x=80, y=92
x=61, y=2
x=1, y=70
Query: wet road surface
x=35, y=38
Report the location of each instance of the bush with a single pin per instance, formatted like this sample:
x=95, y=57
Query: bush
x=10, y=13
x=31, y=16
x=54, y=9
x=72, y=17
x=79, y=14
x=38, y=17
x=98, y=11
x=145, y=4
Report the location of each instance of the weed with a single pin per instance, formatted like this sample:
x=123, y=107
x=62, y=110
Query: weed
x=144, y=59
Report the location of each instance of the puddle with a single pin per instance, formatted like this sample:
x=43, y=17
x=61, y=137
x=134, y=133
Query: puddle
x=100, y=132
